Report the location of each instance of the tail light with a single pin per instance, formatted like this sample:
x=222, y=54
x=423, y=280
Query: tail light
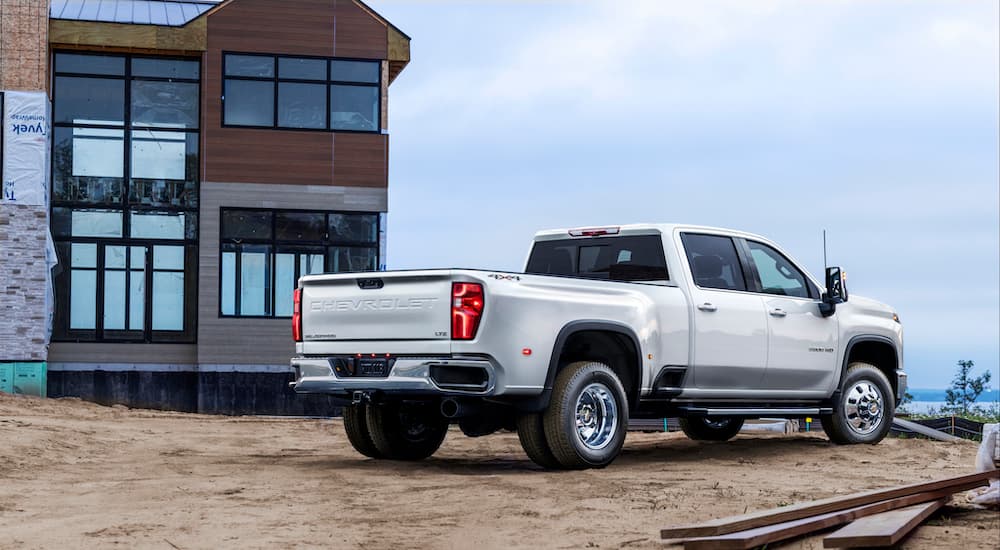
x=467, y=303
x=297, y=315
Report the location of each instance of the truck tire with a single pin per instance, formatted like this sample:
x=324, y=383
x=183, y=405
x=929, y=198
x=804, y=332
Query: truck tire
x=356, y=426
x=406, y=430
x=531, y=432
x=863, y=413
x=587, y=417
x=717, y=428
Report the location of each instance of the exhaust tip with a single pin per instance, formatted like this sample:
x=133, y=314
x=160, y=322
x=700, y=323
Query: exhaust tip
x=449, y=408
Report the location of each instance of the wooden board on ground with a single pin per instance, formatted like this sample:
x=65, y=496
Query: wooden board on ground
x=885, y=529
x=924, y=430
x=794, y=512
x=751, y=538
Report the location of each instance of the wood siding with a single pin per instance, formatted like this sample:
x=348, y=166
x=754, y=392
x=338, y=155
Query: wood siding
x=94, y=352
x=328, y=28
x=95, y=36
x=247, y=341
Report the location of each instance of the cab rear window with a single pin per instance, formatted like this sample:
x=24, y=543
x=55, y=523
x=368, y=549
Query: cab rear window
x=638, y=258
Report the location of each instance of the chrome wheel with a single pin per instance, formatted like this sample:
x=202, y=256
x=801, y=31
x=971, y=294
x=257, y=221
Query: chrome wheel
x=864, y=407
x=596, y=416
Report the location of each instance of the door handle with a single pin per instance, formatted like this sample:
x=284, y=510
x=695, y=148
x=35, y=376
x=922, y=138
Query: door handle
x=778, y=312
x=707, y=306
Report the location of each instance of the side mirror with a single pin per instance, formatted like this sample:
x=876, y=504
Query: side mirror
x=836, y=285
x=836, y=291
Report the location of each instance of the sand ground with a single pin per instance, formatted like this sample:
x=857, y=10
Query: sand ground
x=79, y=475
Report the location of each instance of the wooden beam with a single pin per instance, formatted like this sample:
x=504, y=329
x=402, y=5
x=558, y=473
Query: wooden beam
x=924, y=430
x=806, y=509
x=192, y=37
x=885, y=529
x=752, y=538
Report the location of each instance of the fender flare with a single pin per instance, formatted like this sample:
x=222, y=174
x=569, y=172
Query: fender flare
x=855, y=340
x=574, y=327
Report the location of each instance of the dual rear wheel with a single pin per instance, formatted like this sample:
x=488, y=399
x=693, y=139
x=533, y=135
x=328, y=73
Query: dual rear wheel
x=585, y=423
x=399, y=430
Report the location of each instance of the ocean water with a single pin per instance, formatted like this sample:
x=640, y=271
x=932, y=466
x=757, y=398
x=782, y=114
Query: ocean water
x=926, y=399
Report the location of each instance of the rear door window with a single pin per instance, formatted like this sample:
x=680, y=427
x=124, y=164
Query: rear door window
x=638, y=258
x=714, y=262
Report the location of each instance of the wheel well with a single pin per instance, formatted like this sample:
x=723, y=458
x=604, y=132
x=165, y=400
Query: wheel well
x=879, y=354
x=615, y=349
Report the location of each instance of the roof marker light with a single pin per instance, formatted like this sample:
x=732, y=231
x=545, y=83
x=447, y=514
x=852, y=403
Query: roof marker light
x=593, y=231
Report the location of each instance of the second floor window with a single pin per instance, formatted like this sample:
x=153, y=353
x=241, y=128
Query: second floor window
x=270, y=91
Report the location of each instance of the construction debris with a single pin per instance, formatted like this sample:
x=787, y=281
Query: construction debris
x=885, y=529
x=924, y=430
x=767, y=526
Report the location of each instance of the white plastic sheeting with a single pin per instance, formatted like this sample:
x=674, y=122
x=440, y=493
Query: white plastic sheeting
x=25, y=148
x=988, y=458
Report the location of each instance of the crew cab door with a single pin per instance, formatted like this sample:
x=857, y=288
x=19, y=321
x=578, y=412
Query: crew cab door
x=729, y=325
x=802, y=344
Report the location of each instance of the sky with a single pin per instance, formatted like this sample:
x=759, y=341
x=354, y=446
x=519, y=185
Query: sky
x=875, y=120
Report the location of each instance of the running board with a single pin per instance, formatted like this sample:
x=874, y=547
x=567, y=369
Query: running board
x=788, y=411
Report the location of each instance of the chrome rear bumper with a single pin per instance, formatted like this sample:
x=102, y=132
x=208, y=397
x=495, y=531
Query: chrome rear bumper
x=408, y=375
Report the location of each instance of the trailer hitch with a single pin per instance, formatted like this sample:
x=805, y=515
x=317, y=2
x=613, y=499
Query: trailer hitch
x=361, y=396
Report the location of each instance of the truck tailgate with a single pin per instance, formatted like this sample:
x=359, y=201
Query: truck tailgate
x=377, y=306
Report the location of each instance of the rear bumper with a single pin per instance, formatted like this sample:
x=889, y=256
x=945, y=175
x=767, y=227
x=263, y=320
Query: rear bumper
x=408, y=376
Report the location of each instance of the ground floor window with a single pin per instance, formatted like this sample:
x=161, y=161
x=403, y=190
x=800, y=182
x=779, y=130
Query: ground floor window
x=264, y=252
x=124, y=279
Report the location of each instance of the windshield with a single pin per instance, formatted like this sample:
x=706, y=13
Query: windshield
x=638, y=258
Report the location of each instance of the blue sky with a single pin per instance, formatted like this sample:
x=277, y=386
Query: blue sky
x=877, y=121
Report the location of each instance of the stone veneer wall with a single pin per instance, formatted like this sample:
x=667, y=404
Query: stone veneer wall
x=23, y=66
x=22, y=292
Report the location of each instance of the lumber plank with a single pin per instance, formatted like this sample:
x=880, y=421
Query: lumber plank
x=924, y=430
x=751, y=538
x=885, y=529
x=793, y=512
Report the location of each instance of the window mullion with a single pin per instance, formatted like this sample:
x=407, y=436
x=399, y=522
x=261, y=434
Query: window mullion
x=99, y=304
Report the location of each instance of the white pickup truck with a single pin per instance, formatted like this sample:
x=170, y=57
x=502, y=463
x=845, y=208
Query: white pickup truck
x=710, y=325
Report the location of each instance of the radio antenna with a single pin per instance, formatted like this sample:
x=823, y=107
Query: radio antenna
x=824, y=250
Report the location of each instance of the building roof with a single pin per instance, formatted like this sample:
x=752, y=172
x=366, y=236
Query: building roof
x=170, y=13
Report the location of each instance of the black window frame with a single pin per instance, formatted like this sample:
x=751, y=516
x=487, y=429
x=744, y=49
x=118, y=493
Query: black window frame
x=61, y=326
x=284, y=246
x=276, y=79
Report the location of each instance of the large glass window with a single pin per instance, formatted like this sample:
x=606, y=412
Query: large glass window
x=125, y=197
x=269, y=91
x=264, y=252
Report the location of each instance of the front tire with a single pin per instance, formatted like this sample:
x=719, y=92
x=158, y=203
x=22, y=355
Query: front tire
x=587, y=417
x=406, y=430
x=863, y=413
x=717, y=428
